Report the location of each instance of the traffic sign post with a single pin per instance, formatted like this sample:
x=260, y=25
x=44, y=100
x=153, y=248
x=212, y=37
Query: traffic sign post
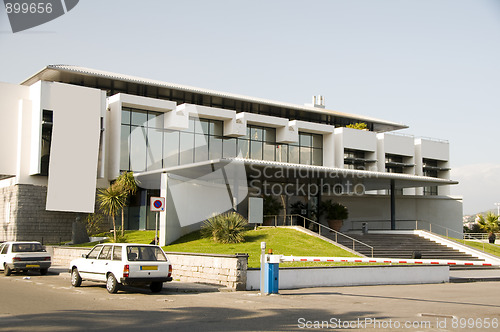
x=157, y=205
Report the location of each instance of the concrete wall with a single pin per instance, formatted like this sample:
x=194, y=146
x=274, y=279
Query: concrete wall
x=441, y=211
x=62, y=256
x=290, y=278
x=10, y=97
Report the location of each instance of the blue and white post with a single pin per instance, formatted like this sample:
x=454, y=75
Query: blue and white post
x=272, y=270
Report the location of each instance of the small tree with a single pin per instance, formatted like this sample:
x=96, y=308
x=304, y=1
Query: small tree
x=225, y=228
x=128, y=184
x=490, y=224
x=358, y=125
x=111, y=200
x=93, y=223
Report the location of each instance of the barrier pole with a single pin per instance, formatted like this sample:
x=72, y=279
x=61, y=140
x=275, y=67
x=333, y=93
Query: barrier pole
x=262, y=264
x=383, y=260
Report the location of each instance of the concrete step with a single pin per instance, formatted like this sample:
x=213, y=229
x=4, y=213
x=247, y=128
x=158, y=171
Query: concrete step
x=401, y=246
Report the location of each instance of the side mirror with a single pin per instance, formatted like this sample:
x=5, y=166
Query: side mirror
x=84, y=255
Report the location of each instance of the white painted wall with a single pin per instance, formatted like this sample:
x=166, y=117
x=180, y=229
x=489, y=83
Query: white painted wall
x=441, y=211
x=291, y=278
x=11, y=97
x=397, y=145
x=355, y=139
x=439, y=150
x=75, y=145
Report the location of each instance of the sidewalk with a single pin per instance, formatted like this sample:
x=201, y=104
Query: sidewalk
x=474, y=275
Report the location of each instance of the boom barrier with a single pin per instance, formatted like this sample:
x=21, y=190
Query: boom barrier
x=380, y=260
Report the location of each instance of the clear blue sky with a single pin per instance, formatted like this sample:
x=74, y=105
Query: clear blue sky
x=431, y=64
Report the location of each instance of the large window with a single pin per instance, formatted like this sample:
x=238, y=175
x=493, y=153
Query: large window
x=146, y=146
x=260, y=144
x=47, y=120
x=141, y=140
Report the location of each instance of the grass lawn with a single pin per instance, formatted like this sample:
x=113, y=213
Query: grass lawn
x=488, y=247
x=283, y=241
x=130, y=237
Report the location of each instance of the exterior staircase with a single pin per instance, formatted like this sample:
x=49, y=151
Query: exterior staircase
x=401, y=246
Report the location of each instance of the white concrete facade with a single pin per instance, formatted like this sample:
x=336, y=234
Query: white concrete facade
x=293, y=278
x=86, y=140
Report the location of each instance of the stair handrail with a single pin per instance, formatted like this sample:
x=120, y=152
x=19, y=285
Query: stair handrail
x=462, y=237
x=331, y=230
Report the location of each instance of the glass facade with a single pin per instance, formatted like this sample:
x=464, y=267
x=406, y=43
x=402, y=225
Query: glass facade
x=47, y=121
x=146, y=146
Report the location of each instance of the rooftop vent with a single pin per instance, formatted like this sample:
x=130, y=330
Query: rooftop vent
x=317, y=101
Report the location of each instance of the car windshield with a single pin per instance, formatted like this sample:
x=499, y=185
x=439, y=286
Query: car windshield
x=145, y=253
x=27, y=247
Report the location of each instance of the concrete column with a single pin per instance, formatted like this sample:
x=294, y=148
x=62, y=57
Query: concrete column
x=393, y=206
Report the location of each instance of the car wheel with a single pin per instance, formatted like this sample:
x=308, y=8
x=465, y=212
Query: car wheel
x=156, y=287
x=43, y=271
x=7, y=270
x=76, y=280
x=111, y=284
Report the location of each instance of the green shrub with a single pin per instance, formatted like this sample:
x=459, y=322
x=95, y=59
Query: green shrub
x=225, y=228
x=119, y=238
x=93, y=223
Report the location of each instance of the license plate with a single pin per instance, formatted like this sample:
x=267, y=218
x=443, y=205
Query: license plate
x=32, y=265
x=149, y=267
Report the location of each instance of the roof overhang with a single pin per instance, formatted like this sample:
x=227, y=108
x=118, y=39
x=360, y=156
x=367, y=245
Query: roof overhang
x=277, y=172
x=67, y=73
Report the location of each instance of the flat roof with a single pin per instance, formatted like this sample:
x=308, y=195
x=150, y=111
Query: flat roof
x=53, y=73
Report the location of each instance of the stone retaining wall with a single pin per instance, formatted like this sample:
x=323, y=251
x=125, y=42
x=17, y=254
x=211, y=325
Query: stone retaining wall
x=28, y=220
x=224, y=270
x=62, y=256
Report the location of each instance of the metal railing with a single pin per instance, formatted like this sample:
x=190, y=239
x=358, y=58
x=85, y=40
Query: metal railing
x=479, y=236
x=320, y=227
x=434, y=228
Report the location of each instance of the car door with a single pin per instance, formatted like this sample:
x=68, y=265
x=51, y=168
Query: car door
x=115, y=263
x=87, y=266
x=101, y=265
x=3, y=254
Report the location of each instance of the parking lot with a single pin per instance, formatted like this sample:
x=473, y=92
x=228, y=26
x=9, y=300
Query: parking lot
x=49, y=303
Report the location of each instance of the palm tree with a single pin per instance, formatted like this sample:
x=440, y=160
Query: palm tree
x=110, y=201
x=128, y=184
x=490, y=224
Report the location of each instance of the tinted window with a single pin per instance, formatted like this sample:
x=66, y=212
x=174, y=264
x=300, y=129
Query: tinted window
x=105, y=252
x=117, y=253
x=27, y=247
x=93, y=253
x=145, y=253
x=4, y=249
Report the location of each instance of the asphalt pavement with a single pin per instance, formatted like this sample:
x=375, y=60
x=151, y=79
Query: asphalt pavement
x=50, y=303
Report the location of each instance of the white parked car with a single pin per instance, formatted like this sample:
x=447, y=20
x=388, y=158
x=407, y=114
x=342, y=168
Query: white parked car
x=23, y=256
x=123, y=264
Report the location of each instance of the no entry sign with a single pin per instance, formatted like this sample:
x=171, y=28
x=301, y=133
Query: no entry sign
x=157, y=204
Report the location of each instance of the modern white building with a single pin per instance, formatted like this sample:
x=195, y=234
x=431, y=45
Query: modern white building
x=67, y=131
